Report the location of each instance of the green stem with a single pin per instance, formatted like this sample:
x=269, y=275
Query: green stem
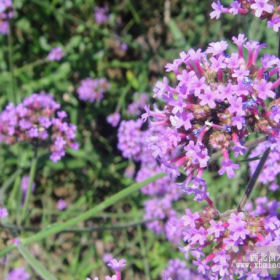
x=31, y=180
x=11, y=64
x=56, y=228
x=253, y=180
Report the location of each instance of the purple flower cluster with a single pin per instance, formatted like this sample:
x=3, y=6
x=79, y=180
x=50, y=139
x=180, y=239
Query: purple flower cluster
x=130, y=139
x=101, y=15
x=227, y=237
x=178, y=270
x=165, y=191
x=56, y=54
x=263, y=207
x=271, y=168
x=137, y=106
x=217, y=100
x=18, y=274
x=37, y=120
x=6, y=13
x=265, y=9
x=93, y=89
x=114, y=119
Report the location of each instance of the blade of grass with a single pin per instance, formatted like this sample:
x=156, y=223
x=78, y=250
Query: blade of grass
x=40, y=270
x=58, y=227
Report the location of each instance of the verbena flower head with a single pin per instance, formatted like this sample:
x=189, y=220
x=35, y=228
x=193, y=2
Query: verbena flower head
x=228, y=240
x=101, y=14
x=93, y=89
x=263, y=207
x=271, y=168
x=214, y=104
x=178, y=270
x=18, y=273
x=56, y=54
x=37, y=120
x=264, y=9
x=6, y=13
x=114, y=119
x=130, y=139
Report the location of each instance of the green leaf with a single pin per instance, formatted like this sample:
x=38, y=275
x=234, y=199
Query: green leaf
x=40, y=270
x=132, y=80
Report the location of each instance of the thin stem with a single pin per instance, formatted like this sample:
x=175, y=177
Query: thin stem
x=31, y=180
x=253, y=180
x=11, y=64
x=79, y=230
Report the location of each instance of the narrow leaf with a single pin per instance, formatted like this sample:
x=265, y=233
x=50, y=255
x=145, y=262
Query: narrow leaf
x=40, y=270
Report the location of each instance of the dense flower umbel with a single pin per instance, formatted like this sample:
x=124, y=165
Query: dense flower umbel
x=263, y=207
x=93, y=89
x=6, y=13
x=178, y=270
x=271, y=168
x=227, y=238
x=132, y=143
x=268, y=10
x=217, y=100
x=37, y=120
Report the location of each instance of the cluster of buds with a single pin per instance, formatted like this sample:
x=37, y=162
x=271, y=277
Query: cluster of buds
x=93, y=89
x=232, y=238
x=36, y=120
x=217, y=101
x=6, y=13
x=268, y=10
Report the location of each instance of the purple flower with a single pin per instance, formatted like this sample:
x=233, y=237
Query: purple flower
x=117, y=265
x=107, y=257
x=218, y=10
x=261, y=6
x=3, y=212
x=56, y=54
x=18, y=274
x=35, y=120
x=101, y=14
x=114, y=119
x=61, y=204
x=24, y=184
x=93, y=89
x=238, y=231
x=264, y=90
x=228, y=167
x=190, y=218
x=217, y=228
